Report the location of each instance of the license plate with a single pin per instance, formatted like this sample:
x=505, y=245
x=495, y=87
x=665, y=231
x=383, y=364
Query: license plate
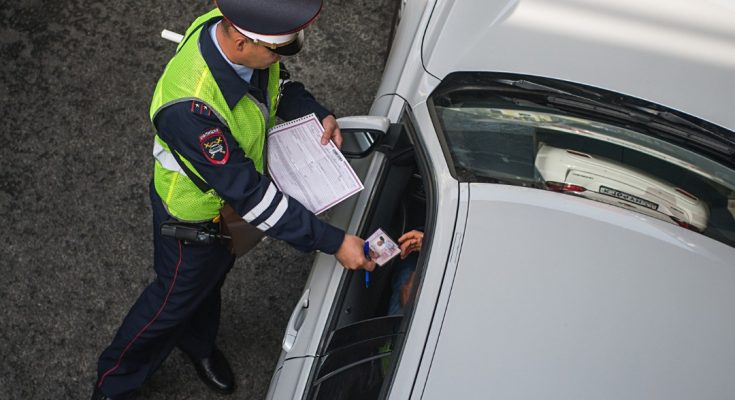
x=628, y=197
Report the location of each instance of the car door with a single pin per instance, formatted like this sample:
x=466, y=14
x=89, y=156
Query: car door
x=340, y=341
x=304, y=327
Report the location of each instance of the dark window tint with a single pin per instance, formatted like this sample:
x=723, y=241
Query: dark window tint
x=358, y=360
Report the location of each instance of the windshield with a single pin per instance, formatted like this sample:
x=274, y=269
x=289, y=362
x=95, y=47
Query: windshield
x=502, y=139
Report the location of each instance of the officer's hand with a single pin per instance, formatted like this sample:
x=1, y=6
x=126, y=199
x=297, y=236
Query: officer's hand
x=331, y=131
x=351, y=254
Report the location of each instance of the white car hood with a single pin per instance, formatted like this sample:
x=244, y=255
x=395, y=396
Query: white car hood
x=557, y=297
x=677, y=53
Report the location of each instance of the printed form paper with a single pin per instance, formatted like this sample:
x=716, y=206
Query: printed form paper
x=316, y=175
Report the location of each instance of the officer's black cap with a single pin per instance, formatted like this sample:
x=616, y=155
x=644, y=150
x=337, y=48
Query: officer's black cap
x=272, y=21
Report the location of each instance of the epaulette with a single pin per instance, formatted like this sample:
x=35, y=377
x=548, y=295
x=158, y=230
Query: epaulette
x=197, y=107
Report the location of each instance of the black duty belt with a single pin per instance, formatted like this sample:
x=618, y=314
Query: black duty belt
x=203, y=233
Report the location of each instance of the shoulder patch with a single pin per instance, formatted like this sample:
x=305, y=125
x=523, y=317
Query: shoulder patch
x=200, y=108
x=214, y=146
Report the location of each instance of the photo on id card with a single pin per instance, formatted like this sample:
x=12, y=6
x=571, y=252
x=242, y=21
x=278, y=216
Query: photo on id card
x=382, y=247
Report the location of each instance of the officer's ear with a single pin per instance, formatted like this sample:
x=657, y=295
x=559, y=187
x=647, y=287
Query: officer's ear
x=241, y=42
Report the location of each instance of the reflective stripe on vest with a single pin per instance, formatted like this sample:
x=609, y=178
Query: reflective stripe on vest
x=167, y=160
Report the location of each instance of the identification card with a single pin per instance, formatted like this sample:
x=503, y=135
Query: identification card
x=382, y=247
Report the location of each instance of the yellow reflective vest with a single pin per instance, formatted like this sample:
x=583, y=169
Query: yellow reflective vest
x=186, y=78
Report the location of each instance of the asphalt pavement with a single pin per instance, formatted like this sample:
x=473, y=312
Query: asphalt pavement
x=75, y=84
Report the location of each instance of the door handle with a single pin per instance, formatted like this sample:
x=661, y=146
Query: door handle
x=294, y=323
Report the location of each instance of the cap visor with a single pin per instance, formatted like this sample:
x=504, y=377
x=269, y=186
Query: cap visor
x=291, y=48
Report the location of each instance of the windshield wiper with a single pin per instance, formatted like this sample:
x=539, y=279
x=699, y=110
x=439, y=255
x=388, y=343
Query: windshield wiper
x=601, y=108
x=561, y=97
x=675, y=119
x=665, y=123
x=530, y=85
x=697, y=137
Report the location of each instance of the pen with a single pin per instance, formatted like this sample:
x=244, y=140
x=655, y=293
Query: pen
x=366, y=250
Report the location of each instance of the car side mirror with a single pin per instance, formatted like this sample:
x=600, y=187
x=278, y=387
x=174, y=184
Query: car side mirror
x=361, y=134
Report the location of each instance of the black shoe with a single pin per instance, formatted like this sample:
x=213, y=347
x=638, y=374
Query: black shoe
x=215, y=371
x=98, y=395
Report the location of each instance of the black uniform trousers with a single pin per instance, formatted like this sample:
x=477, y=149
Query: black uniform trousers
x=180, y=308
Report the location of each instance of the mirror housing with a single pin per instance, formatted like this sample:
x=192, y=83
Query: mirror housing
x=360, y=134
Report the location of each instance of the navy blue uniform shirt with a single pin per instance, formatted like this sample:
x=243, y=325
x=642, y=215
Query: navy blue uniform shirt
x=233, y=175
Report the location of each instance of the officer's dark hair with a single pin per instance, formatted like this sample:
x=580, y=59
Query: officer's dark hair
x=230, y=29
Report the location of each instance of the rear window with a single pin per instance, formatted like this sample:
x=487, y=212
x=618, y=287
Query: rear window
x=595, y=145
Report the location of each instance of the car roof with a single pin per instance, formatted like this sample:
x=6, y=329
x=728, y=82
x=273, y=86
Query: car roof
x=558, y=297
x=676, y=53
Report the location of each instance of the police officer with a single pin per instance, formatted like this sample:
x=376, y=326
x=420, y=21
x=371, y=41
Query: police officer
x=211, y=108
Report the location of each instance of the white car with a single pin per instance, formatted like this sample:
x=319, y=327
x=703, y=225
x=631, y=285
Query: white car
x=521, y=292
x=608, y=181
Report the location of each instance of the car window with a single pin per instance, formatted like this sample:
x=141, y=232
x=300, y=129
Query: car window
x=387, y=325
x=367, y=327
x=357, y=370
x=358, y=380
x=591, y=144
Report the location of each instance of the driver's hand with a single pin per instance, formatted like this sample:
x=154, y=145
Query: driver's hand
x=410, y=242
